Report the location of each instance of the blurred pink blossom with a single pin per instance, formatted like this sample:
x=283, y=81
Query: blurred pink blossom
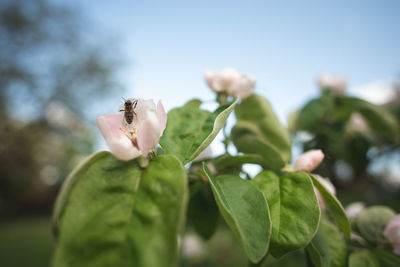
x=354, y=209
x=308, y=161
x=328, y=186
x=357, y=123
x=337, y=84
x=392, y=233
x=230, y=81
x=205, y=154
x=127, y=142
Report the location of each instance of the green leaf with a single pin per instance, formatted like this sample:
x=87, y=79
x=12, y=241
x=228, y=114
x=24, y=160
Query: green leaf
x=387, y=258
x=190, y=130
x=333, y=207
x=374, y=258
x=310, y=116
x=203, y=212
x=226, y=161
x=294, y=209
x=258, y=131
x=113, y=213
x=372, y=221
x=245, y=210
x=328, y=247
x=381, y=121
x=195, y=102
x=363, y=258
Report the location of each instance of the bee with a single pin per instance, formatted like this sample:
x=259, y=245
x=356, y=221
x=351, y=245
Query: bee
x=128, y=107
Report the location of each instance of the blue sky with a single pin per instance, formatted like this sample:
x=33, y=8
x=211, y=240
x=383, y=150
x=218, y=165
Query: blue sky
x=283, y=44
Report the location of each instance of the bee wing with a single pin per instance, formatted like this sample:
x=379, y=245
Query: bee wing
x=121, y=107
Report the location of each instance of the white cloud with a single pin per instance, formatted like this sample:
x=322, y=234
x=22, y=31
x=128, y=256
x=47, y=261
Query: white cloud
x=377, y=92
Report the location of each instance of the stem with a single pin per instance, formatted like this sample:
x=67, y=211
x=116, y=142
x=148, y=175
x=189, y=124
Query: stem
x=226, y=138
x=143, y=161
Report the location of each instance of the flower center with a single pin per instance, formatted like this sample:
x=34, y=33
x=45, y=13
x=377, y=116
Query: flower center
x=131, y=134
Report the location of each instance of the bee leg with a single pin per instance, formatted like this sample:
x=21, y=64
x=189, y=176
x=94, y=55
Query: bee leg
x=135, y=104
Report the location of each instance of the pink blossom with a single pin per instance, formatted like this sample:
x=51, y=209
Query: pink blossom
x=205, y=154
x=392, y=233
x=129, y=141
x=309, y=160
x=230, y=81
x=354, y=210
x=328, y=186
x=336, y=84
x=357, y=123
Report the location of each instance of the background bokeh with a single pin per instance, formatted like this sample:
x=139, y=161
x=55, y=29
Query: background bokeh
x=64, y=62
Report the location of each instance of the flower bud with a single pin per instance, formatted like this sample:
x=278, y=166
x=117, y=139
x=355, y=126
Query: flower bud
x=354, y=209
x=357, y=123
x=193, y=247
x=230, y=81
x=127, y=142
x=309, y=160
x=336, y=84
x=328, y=186
x=392, y=233
x=205, y=154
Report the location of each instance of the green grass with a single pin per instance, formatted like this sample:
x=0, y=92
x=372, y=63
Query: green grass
x=26, y=243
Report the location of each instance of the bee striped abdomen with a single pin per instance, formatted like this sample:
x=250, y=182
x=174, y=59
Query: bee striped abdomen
x=129, y=112
x=129, y=117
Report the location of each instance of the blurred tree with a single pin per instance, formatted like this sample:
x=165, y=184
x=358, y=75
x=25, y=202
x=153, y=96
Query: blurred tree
x=54, y=72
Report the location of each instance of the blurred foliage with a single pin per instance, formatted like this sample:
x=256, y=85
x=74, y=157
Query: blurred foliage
x=54, y=72
x=356, y=137
x=26, y=243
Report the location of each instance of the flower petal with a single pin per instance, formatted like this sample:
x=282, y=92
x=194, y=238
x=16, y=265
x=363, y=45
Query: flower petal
x=148, y=133
x=162, y=117
x=209, y=76
x=243, y=88
x=120, y=145
x=392, y=232
x=328, y=186
x=337, y=84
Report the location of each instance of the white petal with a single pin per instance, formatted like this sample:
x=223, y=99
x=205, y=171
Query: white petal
x=209, y=77
x=162, y=117
x=243, y=88
x=337, y=84
x=123, y=149
x=120, y=145
x=149, y=133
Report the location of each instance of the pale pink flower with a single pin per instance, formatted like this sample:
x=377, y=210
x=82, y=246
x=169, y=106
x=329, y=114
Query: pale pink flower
x=328, y=186
x=357, y=123
x=193, y=247
x=205, y=154
x=337, y=84
x=308, y=161
x=127, y=142
x=354, y=210
x=392, y=233
x=230, y=81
